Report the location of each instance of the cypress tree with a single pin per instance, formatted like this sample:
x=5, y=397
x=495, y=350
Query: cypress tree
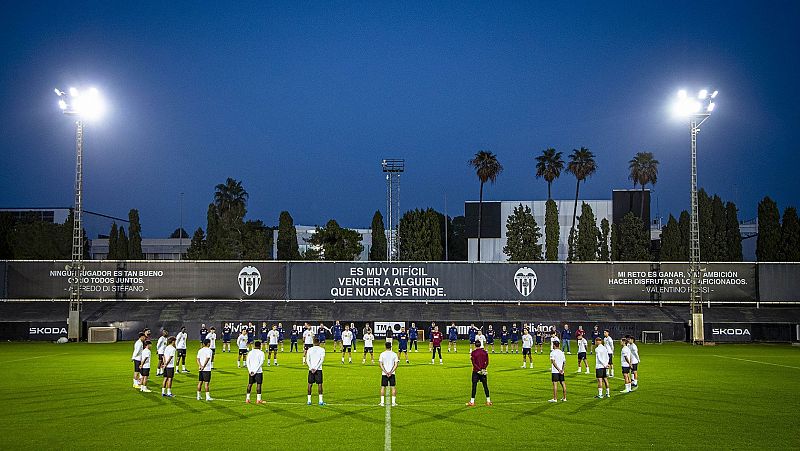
x=287, y=238
x=135, y=236
x=769, y=231
x=588, y=235
x=684, y=224
x=670, y=241
x=122, y=245
x=433, y=227
x=732, y=233
x=523, y=236
x=790, y=236
x=378, y=250
x=603, y=251
x=615, y=242
x=113, y=245
x=551, y=230
x=720, y=246
x=197, y=249
x=706, y=222
x=633, y=241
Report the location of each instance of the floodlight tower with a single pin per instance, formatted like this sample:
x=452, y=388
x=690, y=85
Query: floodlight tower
x=87, y=106
x=393, y=168
x=697, y=110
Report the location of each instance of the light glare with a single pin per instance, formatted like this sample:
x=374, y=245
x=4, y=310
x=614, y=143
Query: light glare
x=714, y=94
x=62, y=104
x=73, y=92
x=702, y=94
x=710, y=107
x=682, y=94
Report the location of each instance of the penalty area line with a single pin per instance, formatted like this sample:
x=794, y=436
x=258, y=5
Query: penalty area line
x=757, y=361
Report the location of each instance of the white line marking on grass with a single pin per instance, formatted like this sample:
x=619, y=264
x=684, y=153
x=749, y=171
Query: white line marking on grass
x=758, y=361
x=37, y=357
x=388, y=414
x=387, y=429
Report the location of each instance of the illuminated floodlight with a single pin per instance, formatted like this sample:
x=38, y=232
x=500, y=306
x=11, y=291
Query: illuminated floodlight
x=686, y=106
x=88, y=105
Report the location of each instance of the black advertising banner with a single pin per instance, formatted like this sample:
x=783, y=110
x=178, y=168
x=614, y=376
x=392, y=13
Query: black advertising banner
x=728, y=332
x=426, y=281
x=659, y=281
x=3, y=285
x=379, y=281
x=143, y=280
x=519, y=282
x=779, y=282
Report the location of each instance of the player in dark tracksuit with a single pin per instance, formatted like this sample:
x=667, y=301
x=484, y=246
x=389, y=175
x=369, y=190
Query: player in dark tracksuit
x=412, y=335
x=514, y=338
x=490, y=337
x=452, y=337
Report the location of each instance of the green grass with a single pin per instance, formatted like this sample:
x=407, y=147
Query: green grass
x=79, y=396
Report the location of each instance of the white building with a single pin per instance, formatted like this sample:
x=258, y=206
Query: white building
x=495, y=215
x=152, y=248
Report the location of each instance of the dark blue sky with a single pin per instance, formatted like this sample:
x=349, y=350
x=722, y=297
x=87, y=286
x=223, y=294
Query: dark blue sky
x=301, y=101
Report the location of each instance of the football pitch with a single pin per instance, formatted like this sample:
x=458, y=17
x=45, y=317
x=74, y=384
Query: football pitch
x=79, y=396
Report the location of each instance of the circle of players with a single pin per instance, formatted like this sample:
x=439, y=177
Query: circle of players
x=171, y=354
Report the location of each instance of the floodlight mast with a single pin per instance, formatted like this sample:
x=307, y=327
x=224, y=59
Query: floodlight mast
x=393, y=168
x=72, y=106
x=698, y=111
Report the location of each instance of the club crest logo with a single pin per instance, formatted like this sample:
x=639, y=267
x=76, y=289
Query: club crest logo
x=249, y=279
x=525, y=280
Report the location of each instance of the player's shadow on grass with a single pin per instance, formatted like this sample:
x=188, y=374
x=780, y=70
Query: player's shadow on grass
x=450, y=416
x=528, y=413
x=223, y=409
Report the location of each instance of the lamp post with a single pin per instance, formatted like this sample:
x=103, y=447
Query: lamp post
x=697, y=110
x=83, y=107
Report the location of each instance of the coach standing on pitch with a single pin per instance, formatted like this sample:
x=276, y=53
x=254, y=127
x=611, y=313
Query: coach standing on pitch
x=480, y=362
x=315, y=358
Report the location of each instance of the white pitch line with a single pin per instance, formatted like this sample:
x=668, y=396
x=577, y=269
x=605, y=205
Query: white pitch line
x=388, y=414
x=37, y=357
x=758, y=361
x=387, y=429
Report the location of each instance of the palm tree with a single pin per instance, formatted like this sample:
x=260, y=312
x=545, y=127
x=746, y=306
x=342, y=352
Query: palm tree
x=487, y=168
x=582, y=166
x=230, y=196
x=644, y=170
x=549, y=165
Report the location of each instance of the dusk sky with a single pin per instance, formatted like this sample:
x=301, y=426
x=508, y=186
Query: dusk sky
x=301, y=101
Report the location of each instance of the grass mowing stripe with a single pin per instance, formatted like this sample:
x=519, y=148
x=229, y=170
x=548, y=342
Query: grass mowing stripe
x=387, y=428
x=37, y=357
x=758, y=361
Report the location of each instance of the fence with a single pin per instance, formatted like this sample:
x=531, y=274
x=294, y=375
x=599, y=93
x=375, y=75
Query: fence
x=531, y=282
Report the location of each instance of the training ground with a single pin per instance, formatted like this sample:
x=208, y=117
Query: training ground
x=79, y=396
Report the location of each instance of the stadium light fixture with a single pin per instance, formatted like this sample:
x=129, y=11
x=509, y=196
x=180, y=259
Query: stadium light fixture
x=85, y=106
x=697, y=110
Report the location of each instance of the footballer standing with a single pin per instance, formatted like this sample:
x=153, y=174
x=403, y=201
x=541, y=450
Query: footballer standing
x=204, y=369
x=180, y=345
x=388, y=361
x=436, y=344
x=255, y=365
